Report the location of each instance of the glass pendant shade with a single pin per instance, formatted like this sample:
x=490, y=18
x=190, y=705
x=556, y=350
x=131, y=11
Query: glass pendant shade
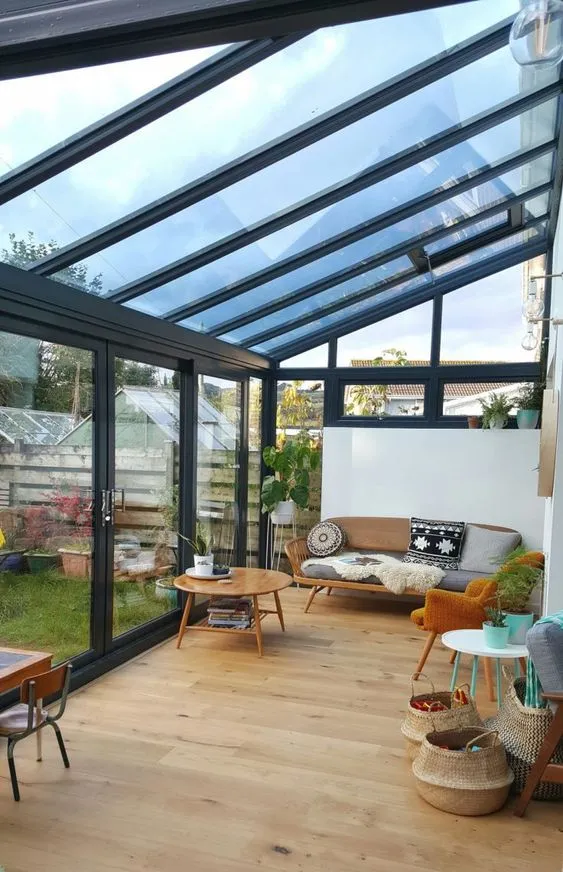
x=533, y=308
x=530, y=340
x=536, y=37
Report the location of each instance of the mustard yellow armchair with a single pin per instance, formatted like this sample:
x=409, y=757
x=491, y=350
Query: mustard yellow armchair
x=445, y=610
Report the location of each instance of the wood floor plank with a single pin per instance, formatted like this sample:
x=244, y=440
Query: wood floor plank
x=211, y=759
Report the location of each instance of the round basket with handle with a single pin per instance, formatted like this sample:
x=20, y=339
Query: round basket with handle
x=522, y=731
x=460, y=711
x=463, y=771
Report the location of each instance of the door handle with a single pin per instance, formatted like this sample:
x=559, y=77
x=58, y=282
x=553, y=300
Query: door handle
x=107, y=508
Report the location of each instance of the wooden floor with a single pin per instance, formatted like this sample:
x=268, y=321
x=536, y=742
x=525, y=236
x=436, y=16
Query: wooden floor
x=209, y=759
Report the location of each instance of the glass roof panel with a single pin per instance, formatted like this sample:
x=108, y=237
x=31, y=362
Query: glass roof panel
x=386, y=272
x=492, y=251
x=441, y=172
x=468, y=204
x=403, y=124
x=314, y=75
x=537, y=206
x=40, y=111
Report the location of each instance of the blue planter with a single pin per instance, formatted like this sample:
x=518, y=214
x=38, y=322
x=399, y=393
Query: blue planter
x=518, y=626
x=527, y=419
x=11, y=561
x=495, y=637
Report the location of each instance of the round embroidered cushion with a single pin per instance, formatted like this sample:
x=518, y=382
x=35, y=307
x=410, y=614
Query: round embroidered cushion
x=325, y=539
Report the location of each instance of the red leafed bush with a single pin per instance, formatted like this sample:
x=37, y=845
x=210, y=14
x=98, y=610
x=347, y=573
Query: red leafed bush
x=74, y=507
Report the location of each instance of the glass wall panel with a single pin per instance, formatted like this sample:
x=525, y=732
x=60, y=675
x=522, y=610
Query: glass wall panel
x=465, y=398
x=483, y=322
x=384, y=401
x=147, y=440
x=314, y=357
x=403, y=124
x=437, y=173
x=46, y=488
x=254, y=468
x=218, y=464
x=401, y=340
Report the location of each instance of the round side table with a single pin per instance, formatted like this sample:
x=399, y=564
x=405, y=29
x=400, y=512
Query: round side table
x=473, y=642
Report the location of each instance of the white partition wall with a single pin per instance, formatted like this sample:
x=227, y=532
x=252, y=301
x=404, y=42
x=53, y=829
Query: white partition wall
x=469, y=475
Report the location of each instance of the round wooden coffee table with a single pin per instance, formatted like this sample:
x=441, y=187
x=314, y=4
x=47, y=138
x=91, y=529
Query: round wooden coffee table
x=245, y=583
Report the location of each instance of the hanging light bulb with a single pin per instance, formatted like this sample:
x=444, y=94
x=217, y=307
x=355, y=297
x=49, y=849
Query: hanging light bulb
x=536, y=37
x=530, y=340
x=533, y=304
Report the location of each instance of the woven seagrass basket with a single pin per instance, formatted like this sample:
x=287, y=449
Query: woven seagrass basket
x=417, y=724
x=463, y=781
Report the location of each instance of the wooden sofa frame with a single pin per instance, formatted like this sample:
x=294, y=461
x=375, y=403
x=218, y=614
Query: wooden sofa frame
x=362, y=533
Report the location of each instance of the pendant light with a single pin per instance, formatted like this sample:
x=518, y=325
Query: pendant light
x=536, y=37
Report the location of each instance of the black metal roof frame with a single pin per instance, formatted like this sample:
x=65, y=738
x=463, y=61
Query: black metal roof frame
x=221, y=67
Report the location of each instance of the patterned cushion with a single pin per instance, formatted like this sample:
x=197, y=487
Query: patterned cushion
x=325, y=539
x=435, y=543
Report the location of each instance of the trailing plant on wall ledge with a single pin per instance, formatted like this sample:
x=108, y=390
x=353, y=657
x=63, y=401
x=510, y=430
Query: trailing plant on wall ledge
x=496, y=411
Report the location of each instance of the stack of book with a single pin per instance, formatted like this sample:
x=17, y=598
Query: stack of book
x=230, y=612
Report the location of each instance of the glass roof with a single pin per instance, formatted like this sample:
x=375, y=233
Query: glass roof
x=313, y=184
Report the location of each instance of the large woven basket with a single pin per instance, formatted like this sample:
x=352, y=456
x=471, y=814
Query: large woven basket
x=463, y=781
x=522, y=731
x=417, y=724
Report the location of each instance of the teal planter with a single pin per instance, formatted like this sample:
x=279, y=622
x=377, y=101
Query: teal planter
x=495, y=637
x=518, y=626
x=527, y=419
x=40, y=562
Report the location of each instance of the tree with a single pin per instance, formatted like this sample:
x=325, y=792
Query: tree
x=296, y=409
x=368, y=399
x=22, y=252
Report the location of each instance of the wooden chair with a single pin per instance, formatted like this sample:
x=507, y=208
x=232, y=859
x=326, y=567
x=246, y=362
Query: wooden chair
x=545, y=644
x=28, y=717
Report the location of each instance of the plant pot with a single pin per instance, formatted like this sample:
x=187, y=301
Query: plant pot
x=77, y=564
x=473, y=422
x=11, y=561
x=203, y=564
x=495, y=637
x=40, y=562
x=518, y=625
x=162, y=590
x=497, y=422
x=283, y=513
x=527, y=419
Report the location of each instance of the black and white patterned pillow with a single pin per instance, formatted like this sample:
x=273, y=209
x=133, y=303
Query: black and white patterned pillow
x=436, y=543
x=325, y=539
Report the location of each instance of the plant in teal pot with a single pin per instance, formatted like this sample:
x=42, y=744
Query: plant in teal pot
x=495, y=628
x=516, y=580
x=529, y=403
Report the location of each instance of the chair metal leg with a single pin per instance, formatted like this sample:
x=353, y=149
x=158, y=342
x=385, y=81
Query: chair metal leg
x=12, y=768
x=62, y=748
x=38, y=737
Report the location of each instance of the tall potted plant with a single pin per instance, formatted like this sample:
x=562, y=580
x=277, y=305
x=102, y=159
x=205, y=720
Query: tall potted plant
x=516, y=580
x=496, y=411
x=291, y=462
x=529, y=403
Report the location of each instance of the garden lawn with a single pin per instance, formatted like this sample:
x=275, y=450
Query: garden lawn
x=48, y=611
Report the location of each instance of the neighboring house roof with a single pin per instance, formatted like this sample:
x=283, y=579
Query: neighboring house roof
x=451, y=391
x=33, y=426
x=162, y=406
x=387, y=363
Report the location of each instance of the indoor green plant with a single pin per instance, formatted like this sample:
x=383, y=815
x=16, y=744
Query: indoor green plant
x=529, y=403
x=516, y=579
x=202, y=547
x=496, y=411
x=495, y=629
x=291, y=462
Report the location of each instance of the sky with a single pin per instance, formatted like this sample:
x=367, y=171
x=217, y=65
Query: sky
x=301, y=82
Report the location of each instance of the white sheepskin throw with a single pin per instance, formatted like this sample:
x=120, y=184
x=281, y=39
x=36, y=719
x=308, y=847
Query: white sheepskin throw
x=395, y=575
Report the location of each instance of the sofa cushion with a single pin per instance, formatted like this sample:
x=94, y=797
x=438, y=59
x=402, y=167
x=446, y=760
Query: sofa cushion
x=325, y=572
x=485, y=550
x=435, y=543
x=545, y=644
x=325, y=539
x=458, y=579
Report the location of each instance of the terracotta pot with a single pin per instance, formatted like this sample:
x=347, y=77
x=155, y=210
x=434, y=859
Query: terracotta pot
x=76, y=564
x=473, y=422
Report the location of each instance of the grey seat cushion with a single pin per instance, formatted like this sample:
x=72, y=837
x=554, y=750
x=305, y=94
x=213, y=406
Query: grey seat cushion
x=485, y=550
x=454, y=579
x=545, y=644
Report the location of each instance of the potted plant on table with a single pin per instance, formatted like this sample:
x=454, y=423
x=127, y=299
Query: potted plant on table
x=516, y=580
x=529, y=403
x=495, y=628
x=291, y=462
x=202, y=547
x=496, y=411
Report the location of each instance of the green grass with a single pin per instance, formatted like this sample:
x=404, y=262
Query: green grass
x=48, y=611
